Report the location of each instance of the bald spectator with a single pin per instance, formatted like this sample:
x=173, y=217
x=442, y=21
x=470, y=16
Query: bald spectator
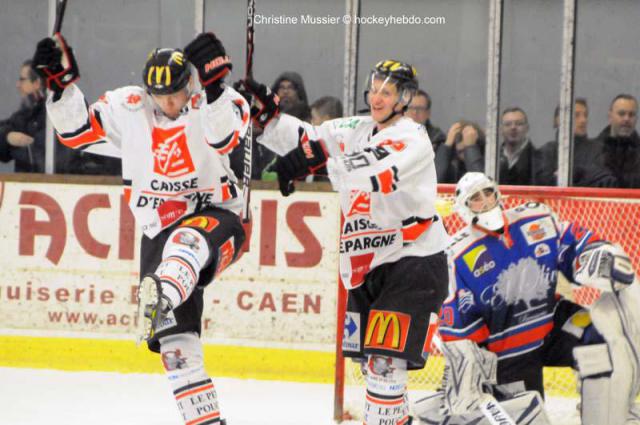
x=617, y=148
x=419, y=110
x=518, y=157
x=324, y=109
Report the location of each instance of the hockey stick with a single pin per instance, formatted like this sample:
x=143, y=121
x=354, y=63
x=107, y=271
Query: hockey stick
x=61, y=6
x=248, y=143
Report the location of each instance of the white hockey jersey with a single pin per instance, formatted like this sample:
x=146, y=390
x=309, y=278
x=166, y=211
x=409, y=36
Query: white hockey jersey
x=387, y=186
x=172, y=167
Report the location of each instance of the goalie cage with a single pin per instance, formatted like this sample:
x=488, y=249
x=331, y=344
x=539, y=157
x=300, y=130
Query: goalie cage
x=613, y=214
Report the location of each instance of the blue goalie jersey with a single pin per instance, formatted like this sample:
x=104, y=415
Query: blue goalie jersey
x=502, y=290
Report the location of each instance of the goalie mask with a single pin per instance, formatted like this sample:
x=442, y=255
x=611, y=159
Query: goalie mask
x=478, y=201
x=401, y=75
x=166, y=71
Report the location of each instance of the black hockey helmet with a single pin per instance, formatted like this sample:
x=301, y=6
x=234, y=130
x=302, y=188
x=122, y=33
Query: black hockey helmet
x=166, y=71
x=401, y=74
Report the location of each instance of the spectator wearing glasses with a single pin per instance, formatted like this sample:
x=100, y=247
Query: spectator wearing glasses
x=419, y=110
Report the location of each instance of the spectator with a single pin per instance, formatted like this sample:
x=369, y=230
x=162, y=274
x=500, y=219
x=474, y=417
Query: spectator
x=617, y=147
x=22, y=135
x=548, y=171
x=419, y=110
x=324, y=109
x=289, y=87
x=462, y=151
x=518, y=156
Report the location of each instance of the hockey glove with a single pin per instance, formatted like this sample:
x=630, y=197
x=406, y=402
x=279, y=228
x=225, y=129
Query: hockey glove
x=265, y=108
x=309, y=157
x=208, y=55
x=55, y=63
x=604, y=266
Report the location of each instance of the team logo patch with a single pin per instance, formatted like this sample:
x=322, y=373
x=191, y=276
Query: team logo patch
x=351, y=335
x=187, y=239
x=133, y=102
x=541, y=250
x=225, y=255
x=465, y=300
x=173, y=360
x=360, y=203
x=387, y=330
x=201, y=222
x=538, y=230
x=479, y=260
x=170, y=152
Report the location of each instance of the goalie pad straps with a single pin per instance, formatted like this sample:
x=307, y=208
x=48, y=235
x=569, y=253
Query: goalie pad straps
x=386, y=399
x=609, y=372
x=185, y=254
x=467, y=371
x=192, y=388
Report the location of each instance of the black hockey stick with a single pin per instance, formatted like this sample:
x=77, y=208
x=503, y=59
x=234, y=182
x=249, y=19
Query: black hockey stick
x=248, y=143
x=61, y=6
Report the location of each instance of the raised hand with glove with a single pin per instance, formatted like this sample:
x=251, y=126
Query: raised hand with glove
x=54, y=61
x=266, y=103
x=208, y=55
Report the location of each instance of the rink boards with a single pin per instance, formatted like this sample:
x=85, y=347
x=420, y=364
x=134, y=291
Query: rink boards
x=69, y=256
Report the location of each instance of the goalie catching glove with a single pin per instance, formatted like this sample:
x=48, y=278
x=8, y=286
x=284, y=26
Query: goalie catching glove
x=55, y=63
x=604, y=266
x=266, y=103
x=208, y=55
x=309, y=157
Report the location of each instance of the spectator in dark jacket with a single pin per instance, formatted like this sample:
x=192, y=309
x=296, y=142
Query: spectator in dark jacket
x=419, y=110
x=519, y=158
x=462, y=151
x=616, y=160
x=548, y=170
x=22, y=135
x=289, y=87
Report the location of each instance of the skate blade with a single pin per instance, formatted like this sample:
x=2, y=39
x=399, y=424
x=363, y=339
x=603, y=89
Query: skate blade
x=147, y=302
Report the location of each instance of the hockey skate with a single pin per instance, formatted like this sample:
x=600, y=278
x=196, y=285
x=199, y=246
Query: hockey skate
x=152, y=307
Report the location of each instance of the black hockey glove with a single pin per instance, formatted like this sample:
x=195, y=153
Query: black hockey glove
x=54, y=61
x=208, y=55
x=309, y=157
x=265, y=107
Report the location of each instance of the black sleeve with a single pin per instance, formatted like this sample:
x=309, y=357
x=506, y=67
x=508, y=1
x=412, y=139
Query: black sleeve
x=473, y=158
x=442, y=161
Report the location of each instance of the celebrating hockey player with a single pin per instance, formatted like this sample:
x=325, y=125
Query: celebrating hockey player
x=174, y=136
x=392, y=242
x=503, y=273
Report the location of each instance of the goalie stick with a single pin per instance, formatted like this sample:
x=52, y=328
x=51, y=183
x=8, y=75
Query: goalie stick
x=248, y=143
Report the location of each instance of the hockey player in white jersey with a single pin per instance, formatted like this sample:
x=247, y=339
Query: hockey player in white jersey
x=392, y=241
x=174, y=136
x=504, y=267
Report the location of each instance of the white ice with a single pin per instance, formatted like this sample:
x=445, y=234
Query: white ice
x=48, y=397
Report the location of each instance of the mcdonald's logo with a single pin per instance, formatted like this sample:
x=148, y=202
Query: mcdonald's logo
x=387, y=330
x=205, y=223
x=159, y=71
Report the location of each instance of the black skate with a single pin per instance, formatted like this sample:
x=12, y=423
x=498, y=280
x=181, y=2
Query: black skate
x=152, y=307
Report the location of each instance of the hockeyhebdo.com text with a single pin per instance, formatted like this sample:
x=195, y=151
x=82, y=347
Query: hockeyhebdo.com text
x=347, y=20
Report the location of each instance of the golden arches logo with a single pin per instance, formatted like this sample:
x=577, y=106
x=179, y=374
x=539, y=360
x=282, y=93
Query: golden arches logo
x=159, y=71
x=382, y=323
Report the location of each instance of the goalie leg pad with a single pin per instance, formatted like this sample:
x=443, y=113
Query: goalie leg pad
x=184, y=255
x=386, y=398
x=610, y=372
x=193, y=389
x=525, y=408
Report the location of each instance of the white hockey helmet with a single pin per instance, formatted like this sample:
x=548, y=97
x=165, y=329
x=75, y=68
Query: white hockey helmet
x=478, y=201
